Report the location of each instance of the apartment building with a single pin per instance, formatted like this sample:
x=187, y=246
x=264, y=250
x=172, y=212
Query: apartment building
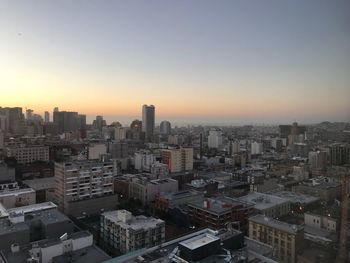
x=85, y=187
x=179, y=159
x=125, y=232
x=287, y=239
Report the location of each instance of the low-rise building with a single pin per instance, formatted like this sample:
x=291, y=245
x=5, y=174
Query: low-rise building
x=125, y=232
x=266, y=204
x=217, y=212
x=147, y=190
x=32, y=223
x=17, y=197
x=77, y=247
x=287, y=239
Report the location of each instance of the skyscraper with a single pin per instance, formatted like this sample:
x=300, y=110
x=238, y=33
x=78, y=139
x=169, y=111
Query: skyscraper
x=165, y=127
x=148, y=120
x=47, y=117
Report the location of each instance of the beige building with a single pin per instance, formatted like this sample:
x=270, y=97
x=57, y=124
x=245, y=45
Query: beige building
x=28, y=154
x=178, y=160
x=85, y=187
x=286, y=239
x=321, y=222
x=124, y=232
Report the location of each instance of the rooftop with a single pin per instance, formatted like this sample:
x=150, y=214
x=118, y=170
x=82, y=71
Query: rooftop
x=263, y=201
x=199, y=241
x=296, y=197
x=41, y=183
x=273, y=223
x=126, y=220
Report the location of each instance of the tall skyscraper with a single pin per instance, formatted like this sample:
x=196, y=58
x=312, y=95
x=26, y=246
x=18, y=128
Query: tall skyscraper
x=148, y=121
x=165, y=127
x=47, y=116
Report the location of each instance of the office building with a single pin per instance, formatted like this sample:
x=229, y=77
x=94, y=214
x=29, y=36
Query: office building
x=120, y=133
x=47, y=116
x=148, y=121
x=287, y=239
x=339, y=154
x=126, y=233
x=85, y=187
x=14, y=122
x=28, y=154
x=178, y=160
x=165, y=128
x=66, y=121
x=215, y=139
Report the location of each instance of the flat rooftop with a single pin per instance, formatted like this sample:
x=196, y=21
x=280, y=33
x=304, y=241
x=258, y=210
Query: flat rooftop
x=32, y=208
x=135, y=222
x=263, y=201
x=17, y=192
x=219, y=205
x=273, y=223
x=296, y=197
x=199, y=241
x=41, y=183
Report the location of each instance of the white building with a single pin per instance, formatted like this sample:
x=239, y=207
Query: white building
x=144, y=161
x=120, y=133
x=321, y=222
x=178, y=160
x=318, y=160
x=256, y=148
x=215, y=139
x=159, y=170
x=126, y=233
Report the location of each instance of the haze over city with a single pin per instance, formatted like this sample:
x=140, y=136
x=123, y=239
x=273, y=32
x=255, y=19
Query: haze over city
x=233, y=62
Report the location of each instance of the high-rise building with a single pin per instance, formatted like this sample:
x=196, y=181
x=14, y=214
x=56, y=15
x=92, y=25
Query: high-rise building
x=14, y=120
x=215, y=139
x=2, y=139
x=318, y=160
x=85, y=187
x=165, y=128
x=66, y=120
x=125, y=232
x=148, y=121
x=29, y=114
x=99, y=122
x=178, y=160
x=256, y=148
x=47, y=116
x=339, y=154
x=120, y=134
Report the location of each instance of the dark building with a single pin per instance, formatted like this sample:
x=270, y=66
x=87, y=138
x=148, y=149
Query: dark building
x=66, y=121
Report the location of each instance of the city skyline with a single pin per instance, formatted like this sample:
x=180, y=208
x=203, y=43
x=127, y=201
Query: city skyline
x=237, y=62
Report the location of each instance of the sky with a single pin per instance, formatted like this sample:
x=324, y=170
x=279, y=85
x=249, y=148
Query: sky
x=234, y=61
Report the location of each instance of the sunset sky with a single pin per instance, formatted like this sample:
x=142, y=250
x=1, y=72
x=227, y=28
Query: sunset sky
x=196, y=61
